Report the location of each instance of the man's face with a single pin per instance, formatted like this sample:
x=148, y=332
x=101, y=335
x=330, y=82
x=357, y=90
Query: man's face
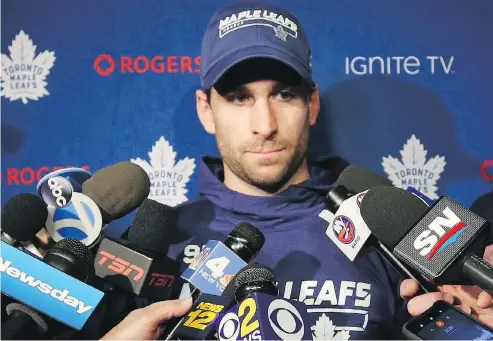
x=262, y=126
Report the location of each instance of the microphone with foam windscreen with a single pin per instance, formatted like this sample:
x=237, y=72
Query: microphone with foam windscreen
x=352, y=180
x=45, y=287
x=72, y=258
x=23, y=323
x=111, y=193
x=118, y=189
x=348, y=230
x=214, y=268
x=140, y=265
x=444, y=242
x=23, y=216
x=260, y=314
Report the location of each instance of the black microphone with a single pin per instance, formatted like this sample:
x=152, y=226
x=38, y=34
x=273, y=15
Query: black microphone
x=214, y=268
x=23, y=323
x=444, y=242
x=23, y=216
x=139, y=265
x=355, y=180
x=198, y=324
x=260, y=314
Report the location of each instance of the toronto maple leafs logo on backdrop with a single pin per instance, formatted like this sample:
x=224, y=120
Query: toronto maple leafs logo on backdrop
x=24, y=73
x=168, y=179
x=324, y=329
x=414, y=170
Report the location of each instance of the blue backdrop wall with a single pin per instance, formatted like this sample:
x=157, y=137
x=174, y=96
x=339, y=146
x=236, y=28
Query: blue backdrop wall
x=407, y=90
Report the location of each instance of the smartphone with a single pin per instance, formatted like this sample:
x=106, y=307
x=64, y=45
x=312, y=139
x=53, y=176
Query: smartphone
x=445, y=322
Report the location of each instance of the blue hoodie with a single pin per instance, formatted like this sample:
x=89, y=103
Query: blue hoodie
x=356, y=300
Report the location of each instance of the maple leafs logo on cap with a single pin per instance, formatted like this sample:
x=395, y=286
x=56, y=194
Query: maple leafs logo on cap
x=23, y=73
x=324, y=329
x=168, y=180
x=414, y=171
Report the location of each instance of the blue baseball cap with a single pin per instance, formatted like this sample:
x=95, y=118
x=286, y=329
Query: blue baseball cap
x=253, y=29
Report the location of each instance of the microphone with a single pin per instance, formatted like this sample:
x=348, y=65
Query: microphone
x=352, y=180
x=23, y=323
x=348, y=230
x=44, y=287
x=109, y=194
x=118, y=189
x=198, y=324
x=260, y=314
x=138, y=265
x=444, y=243
x=214, y=268
x=72, y=258
x=200, y=321
x=23, y=216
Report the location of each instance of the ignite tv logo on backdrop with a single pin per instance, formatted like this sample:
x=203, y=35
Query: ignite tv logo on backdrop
x=23, y=72
x=106, y=64
x=399, y=65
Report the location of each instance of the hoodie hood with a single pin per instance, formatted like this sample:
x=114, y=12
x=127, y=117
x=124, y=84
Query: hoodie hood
x=303, y=196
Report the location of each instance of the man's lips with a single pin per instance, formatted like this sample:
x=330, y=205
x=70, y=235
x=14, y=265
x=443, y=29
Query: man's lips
x=268, y=152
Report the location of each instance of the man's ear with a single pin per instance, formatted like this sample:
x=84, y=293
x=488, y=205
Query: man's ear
x=314, y=106
x=204, y=111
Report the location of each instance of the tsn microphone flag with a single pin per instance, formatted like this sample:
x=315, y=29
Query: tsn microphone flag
x=213, y=268
x=142, y=273
x=264, y=317
x=46, y=289
x=440, y=237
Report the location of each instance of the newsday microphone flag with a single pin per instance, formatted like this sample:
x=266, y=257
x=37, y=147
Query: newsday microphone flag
x=46, y=289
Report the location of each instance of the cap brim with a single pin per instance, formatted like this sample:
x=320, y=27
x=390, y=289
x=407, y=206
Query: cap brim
x=249, y=52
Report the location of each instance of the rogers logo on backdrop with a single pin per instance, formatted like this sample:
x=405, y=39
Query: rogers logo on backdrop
x=487, y=170
x=106, y=64
x=28, y=175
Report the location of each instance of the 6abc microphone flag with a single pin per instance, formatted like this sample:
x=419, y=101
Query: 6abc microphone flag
x=71, y=214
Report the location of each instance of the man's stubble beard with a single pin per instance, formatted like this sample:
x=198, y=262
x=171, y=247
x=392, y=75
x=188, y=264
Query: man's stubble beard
x=231, y=158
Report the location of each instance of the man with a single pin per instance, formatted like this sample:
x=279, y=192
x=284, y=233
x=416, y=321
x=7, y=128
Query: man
x=259, y=100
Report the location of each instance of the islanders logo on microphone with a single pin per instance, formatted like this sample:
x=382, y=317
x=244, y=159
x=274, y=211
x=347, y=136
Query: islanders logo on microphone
x=344, y=229
x=441, y=233
x=80, y=219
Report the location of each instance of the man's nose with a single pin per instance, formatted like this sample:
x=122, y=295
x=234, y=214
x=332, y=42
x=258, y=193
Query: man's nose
x=263, y=119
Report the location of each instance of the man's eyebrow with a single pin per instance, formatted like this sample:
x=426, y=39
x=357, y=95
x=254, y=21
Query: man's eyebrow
x=278, y=86
x=242, y=88
x=235, y=89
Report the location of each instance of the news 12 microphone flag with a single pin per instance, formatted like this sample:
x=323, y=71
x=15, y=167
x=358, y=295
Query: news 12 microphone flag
x=406, y=90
